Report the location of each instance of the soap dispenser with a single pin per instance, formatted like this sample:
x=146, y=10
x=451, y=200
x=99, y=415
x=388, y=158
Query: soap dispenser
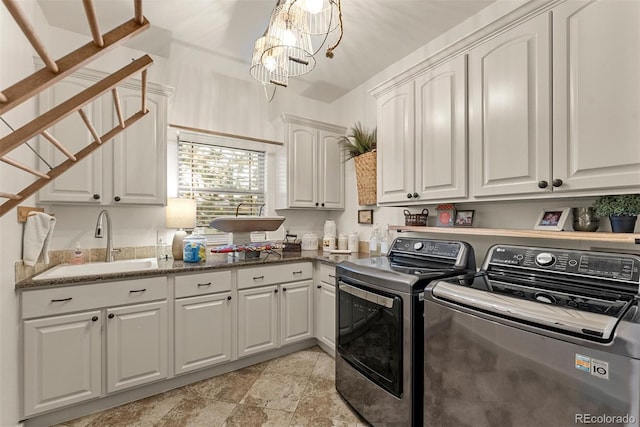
x=78, y=257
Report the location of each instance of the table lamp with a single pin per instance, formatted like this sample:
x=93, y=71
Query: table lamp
x=181, y=213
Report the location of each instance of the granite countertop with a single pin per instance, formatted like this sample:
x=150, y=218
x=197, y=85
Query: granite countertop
x=214, y=261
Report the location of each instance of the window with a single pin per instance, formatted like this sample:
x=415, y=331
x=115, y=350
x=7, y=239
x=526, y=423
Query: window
x=219, y=178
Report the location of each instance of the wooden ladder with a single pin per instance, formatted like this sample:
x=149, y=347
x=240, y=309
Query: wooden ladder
x=53, y=72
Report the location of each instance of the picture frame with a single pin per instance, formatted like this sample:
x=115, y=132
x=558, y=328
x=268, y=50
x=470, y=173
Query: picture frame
x=445, y=215
x=552, y=219
x=464, y=218
x=365, y=216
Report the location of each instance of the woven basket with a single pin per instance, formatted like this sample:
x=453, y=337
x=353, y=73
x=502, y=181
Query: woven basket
x=366, y=178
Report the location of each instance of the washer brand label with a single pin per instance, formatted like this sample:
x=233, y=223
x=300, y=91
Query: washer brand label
x=597, y=368
x=583, y=363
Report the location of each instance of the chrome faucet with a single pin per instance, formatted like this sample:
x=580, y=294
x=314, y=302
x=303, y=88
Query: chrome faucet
x=100, y=234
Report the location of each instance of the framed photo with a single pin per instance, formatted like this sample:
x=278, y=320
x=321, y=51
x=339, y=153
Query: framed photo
x=445, y=217
x=464, y=218
x=365, y=216
x=552, y=219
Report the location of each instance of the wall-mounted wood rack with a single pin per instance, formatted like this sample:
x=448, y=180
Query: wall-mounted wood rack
x=531, y=234
x=55, y=71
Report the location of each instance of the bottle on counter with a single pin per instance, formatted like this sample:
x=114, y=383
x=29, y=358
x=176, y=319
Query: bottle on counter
x=385, y=241
x=373, y=242
x=78, y=256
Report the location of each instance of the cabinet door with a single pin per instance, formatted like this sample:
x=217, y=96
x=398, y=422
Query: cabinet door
x=509, y=111
x=296, y=311
x=396, y=134
x=62, y=361
x=303, y=166
x=84, y=180
x=596, y=95
x=325, y=306
x=257, y=320
x=136, y=345
x=202, y=331
x=139, y=153
x=441, y=132
x=331, y=174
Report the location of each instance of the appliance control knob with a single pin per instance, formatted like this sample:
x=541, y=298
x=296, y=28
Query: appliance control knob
x=418, y=246
x=545, y=259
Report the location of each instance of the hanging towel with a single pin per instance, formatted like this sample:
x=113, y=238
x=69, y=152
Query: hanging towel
x=36, y=238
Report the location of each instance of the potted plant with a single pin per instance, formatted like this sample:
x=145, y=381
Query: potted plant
x=622, y=211
x=360, y=145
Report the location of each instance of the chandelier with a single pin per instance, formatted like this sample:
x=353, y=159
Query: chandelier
x=286, y=49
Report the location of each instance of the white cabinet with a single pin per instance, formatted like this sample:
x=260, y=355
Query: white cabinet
x=422, y=141
x=129, y=170
x=325, y=306
x=275, y=306
x=596, y=63
x=136, y=345
x=311, y=169
x=203, y=327
x=62, y=360
x=510, y=110
x=65, y=330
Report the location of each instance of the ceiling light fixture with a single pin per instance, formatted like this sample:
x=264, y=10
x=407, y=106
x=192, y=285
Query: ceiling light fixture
x=285, y=49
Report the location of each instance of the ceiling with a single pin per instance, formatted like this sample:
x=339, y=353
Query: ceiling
x=377, y=33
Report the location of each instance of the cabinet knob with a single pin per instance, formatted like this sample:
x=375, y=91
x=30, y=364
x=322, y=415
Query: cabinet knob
x=409, y=195
x=111, y=316
x=317, y=203
x=117, y=198
x=94, y=319
x=96, y=196
x=557, y=182
x=275, y=291
x=284, y=289
x=415, y=195
x=318, y=286
x=323, y=205
x=229, y=298
x=542, y=184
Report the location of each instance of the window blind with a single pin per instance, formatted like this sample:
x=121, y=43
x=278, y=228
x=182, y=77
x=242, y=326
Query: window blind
x=219, y=178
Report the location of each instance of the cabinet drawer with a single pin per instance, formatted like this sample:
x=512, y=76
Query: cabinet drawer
x=202, y=283
x=279, y=273
x=327, y=273
x=45, y=302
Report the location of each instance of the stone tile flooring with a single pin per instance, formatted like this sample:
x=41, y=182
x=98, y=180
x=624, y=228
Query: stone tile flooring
x=293, y=390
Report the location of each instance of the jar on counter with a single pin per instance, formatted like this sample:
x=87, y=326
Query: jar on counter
x=343, y=242
x=195, y=248
x=309, y=242
x=352, y=243
x=328, y=243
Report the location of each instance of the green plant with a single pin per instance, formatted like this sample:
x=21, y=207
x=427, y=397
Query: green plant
x=358, y=141
x=622, y=205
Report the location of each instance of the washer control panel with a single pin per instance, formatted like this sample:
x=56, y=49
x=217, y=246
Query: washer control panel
x=603, y=265
x=427, y=248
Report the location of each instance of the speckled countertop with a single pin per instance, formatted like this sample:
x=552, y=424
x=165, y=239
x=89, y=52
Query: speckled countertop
x=214, y=261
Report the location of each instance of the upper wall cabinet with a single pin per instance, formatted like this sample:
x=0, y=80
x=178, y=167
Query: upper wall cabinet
x=596, y=115
x=422, y=141
x=510, y=111
x=132, y=170
x=313, y=161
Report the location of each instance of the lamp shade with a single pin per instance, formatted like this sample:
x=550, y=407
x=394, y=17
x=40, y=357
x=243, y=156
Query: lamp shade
x=181, y=213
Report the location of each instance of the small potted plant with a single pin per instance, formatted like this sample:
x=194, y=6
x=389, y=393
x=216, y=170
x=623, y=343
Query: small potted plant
x=622, y=211
x=360, y=145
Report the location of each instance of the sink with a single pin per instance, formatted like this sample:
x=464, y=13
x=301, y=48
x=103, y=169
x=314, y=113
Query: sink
x=97, y=268
x=247, y=224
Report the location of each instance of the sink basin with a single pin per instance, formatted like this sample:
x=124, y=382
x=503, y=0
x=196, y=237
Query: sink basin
x=247, y=224
x=97, y=268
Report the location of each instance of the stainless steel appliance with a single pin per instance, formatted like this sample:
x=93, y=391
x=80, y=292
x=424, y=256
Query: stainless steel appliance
x=379, y=326
x=539, y=337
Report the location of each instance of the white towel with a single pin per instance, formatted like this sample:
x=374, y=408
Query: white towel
x=36, y=238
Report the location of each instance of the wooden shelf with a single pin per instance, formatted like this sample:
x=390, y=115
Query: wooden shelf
x=532, y=234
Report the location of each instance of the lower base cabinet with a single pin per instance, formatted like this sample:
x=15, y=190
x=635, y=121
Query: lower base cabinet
x=202, y=331
x=62, y=361
x=325, y=306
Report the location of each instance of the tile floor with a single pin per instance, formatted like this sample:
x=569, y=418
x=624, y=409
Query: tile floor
x=293, y=390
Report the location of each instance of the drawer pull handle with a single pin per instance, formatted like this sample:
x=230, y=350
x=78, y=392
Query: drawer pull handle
x=332, y=276
x=94, y=319
x=258, y=278
x=204, y=284
x=297, y=272
x=228, y=298
x=111, y=316
x=134, y=291
x=62, y=299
